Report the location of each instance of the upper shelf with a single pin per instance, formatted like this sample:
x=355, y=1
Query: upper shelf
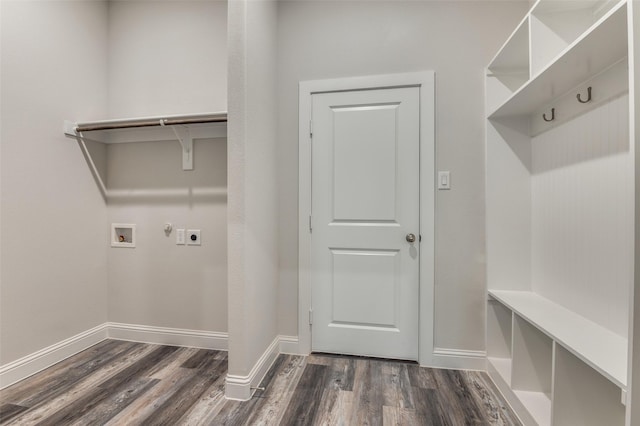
x=183, y=128
x=600, y=46
x=145, y=129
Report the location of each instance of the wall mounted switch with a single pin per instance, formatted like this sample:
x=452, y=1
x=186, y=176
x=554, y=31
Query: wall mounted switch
x=444, y=180
x=193, y=237
x=180, y=236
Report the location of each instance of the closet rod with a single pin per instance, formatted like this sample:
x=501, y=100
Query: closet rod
x=150, y=122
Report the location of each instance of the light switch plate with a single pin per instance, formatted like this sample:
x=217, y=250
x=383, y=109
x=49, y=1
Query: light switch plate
x=444, y=180
x=180, y=237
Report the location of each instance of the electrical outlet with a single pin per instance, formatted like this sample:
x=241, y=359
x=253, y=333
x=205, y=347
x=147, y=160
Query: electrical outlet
x=180, y=237
x=193, y=237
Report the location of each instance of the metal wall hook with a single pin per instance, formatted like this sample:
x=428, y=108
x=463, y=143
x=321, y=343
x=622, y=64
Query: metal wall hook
x=588, y=96
x=553, y=115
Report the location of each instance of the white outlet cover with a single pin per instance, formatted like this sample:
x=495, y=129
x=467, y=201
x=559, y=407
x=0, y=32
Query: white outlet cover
x=191, y=241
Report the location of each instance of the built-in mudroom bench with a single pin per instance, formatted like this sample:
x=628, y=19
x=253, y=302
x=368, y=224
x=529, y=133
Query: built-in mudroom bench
x=560, y=213
x=561, y=367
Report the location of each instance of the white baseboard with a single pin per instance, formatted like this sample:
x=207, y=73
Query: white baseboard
x=239, y=387
x=169, y=336
x=29, y=365
x=289, y=345
x=38, y=361
x=458, y=359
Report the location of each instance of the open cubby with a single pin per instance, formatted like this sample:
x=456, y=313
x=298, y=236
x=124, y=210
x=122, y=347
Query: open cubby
x=499, y=331
x=555, y=25
x=509, y=69
x=539, y=353
x=582, y=396
x=531, y=369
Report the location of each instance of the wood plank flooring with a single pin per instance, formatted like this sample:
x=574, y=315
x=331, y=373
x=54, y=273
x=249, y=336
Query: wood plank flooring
x=126, y=383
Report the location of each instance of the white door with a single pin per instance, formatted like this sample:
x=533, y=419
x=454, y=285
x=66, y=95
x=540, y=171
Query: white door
x=365, y=212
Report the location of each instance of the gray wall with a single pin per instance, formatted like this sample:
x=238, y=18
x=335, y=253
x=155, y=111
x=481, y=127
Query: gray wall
x=253, y=199
x=325, y=39
x=95, y=60
x=159, y=283
x=53, y=278
x=168, y=57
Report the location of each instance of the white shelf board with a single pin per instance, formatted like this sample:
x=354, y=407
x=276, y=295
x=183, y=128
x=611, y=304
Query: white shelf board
x=503, y=367
x=560, y=6
x=145, y=133
x=538, y=404
x=601, y=349
x=604, y=44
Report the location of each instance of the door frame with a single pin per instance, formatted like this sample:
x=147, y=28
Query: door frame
x=425, y=80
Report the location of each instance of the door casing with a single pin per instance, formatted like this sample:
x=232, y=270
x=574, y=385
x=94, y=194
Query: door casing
x=426, y=82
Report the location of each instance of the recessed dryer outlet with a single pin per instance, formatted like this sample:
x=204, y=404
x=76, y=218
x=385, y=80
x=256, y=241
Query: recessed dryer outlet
x=193, y=237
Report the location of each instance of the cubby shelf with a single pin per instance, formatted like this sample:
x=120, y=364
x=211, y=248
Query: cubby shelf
x=538, y=404
x=602, y=45
x=603, y=350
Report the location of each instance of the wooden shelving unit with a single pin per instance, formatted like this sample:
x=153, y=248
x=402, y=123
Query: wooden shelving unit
x=560, y=173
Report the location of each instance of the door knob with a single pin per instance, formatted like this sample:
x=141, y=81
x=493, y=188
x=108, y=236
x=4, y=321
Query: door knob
x=411, y=238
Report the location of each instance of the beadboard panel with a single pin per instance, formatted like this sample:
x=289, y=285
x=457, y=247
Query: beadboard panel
x=508, y=205
x=582, y=215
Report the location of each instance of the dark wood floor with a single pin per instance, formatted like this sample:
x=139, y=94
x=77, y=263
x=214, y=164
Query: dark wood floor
x=125, y=383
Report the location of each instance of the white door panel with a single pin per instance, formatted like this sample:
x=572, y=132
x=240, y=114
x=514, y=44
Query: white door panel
x=365, y=200
x=365, y=289
x=364, y=165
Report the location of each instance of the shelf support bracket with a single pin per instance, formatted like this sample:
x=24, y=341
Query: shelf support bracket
x=186, y=141
x=92, y=165
x=71, y=130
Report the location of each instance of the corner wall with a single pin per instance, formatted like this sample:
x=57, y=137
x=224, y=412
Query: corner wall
x=53, y=252
x=253, y=189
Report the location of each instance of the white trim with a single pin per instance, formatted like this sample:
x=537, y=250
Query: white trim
x=37, y=361
x=168, y=336
x=459, y=359
x=33, y=363
x=426, y=81
x=289, y=345
x=239, y=387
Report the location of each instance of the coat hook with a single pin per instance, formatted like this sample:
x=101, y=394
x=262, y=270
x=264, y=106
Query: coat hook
x=588, y=96
x=553, y=115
